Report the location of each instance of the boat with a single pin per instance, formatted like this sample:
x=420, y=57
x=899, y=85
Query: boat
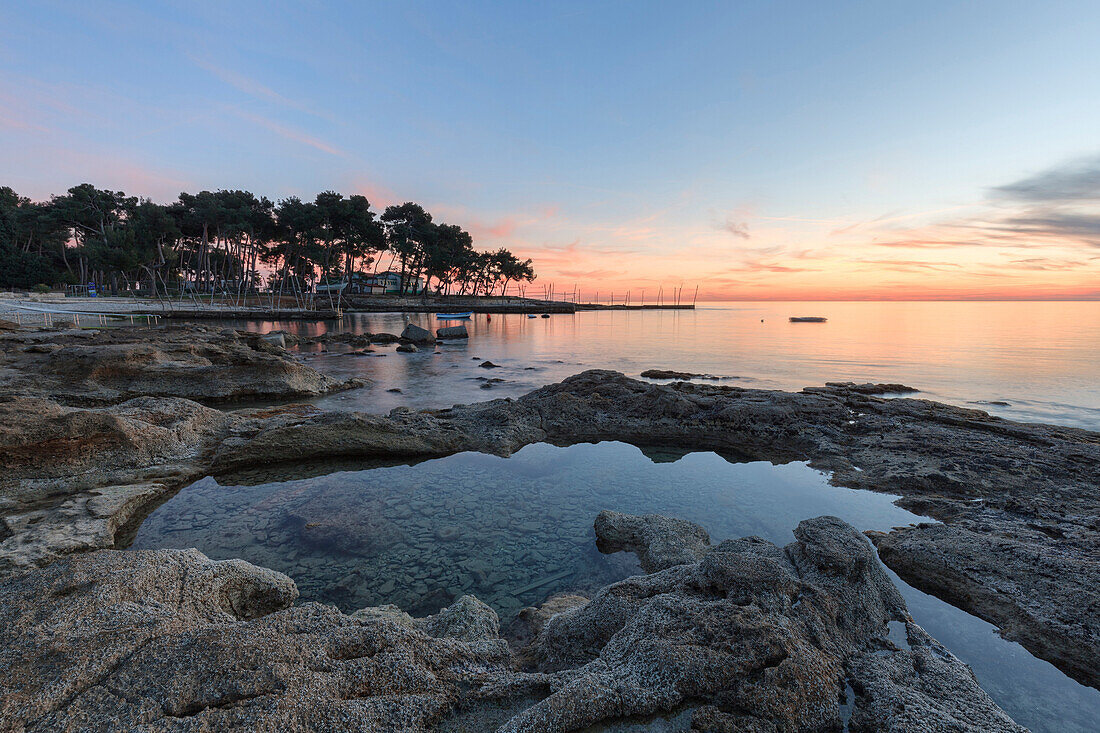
x=445, y=316
x=808, y=319
x=532, y=315
x=545, y=315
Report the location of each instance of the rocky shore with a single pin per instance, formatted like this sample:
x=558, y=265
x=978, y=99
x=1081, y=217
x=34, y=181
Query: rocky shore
x=96, y=429
x=743, y=636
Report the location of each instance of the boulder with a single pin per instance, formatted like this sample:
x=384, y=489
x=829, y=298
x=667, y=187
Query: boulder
x=383, y=338
x=452, y=332
x=275, y=339
x=408, y=348
x=417, y=335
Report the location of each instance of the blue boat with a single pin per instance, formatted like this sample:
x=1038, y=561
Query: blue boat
x=446, y=316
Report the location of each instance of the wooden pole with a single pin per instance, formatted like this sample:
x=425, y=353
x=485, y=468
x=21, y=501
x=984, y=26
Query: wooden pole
x=694, y=297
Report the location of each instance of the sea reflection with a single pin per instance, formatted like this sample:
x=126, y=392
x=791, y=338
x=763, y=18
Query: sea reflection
x=1025, y=361
x=513, y=531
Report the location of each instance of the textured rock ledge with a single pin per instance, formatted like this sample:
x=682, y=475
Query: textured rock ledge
x=94, y=368
x=748, y=637
x=1032, y=489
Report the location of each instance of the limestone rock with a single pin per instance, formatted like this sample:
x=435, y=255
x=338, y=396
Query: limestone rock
x=121, y=364
x=467, y=619
x=1022, y=584
x=922, y=687
x=659, y=542
x=755, y=636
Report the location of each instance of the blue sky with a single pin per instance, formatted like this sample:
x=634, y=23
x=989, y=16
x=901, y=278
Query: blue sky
x=762, y=149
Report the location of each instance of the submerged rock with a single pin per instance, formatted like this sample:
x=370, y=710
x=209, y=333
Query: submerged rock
x=407, y=349
x=383, y=338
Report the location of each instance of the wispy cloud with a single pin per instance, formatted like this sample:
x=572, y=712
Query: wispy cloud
x=291, y=133
x=257, y=89
x=739, y=229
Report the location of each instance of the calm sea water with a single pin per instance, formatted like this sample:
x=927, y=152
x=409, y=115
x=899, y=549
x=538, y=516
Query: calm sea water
x=513, y=531
x=1042, y=359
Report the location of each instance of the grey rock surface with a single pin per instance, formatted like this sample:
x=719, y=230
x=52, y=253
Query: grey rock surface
x=115, y=365
x=751, y=634
x=659, y=542
x=452, y=332
x=417, y=335
x=1035, y=485
x=921, y=687
x=1024, y=583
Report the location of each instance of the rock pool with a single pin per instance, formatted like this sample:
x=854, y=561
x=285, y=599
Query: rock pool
x=513, y=531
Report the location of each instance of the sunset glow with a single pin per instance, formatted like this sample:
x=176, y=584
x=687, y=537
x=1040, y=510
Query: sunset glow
x=731, y=149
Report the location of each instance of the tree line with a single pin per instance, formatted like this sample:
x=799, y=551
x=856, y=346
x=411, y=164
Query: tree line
x=235, y=243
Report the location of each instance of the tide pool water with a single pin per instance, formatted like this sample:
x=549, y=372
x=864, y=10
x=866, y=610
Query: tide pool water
x=513, y=531
x=1032, y=361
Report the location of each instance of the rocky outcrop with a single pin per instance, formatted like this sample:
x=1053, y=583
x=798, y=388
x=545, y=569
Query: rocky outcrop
x=659, y=542
x=919, y=686
x=74, y=480
x=962, y=466
x=1033, y=484
x=1025, y=584
x=115, y=365
x=751, y=635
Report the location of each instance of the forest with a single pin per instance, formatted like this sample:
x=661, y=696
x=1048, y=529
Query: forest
x=233, y=243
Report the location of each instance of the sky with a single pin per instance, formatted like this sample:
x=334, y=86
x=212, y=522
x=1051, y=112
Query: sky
x=755, y=150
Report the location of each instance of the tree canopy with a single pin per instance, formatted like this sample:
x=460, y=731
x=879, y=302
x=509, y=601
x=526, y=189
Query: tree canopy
x=233, y=242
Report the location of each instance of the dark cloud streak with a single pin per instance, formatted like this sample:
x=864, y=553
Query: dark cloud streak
x=1068, y=183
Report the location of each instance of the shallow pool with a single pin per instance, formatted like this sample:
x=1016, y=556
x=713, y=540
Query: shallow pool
x=514, y=531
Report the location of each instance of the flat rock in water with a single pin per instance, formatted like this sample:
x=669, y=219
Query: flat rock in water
x=452, y=332
x=671, y=374
x=383, y=338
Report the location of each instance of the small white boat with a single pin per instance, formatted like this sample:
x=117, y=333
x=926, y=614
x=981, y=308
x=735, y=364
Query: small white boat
x=808, y=319
x=449, y=316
